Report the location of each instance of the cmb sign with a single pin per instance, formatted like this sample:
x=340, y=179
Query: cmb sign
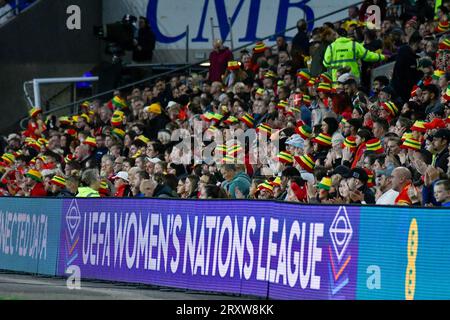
x=223, y=11
x=249, y=20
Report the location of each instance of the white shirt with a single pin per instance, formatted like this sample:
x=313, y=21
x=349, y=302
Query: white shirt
x=388, y=197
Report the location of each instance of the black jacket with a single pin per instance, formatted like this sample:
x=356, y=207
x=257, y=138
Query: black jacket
x=65, y=194
x=163, y=191
x=146, y=40
x=89, y=163
x=317, y=54
x=437, y=107
x=405, y=74
x=154, y=125
x=300, y=48
x=442, y=160
x=300, y=43
x=321, y=155
x=99, y=153
x=369, y=197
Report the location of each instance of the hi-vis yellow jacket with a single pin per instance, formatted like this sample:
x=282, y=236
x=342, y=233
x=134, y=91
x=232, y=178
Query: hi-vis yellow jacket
x=347, y=52
x=86, y=192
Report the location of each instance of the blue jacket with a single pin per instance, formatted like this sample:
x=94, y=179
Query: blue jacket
x=428, y=195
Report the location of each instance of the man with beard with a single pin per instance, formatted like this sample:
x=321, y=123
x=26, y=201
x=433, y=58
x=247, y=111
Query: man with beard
x=430, y=100
x=351, y=127
x=380, y=128
x=440, y=144
x=101, y=149
x=105, y=116
x=351, y=90
x=84, y=156
x=135, y=182
x=162, y=93
x=378, y=83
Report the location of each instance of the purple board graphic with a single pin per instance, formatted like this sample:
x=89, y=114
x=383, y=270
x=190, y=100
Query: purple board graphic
x=268, y=249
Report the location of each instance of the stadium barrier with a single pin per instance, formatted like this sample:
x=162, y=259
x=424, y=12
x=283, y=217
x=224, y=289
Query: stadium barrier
x=29, y=234
x=270, y=249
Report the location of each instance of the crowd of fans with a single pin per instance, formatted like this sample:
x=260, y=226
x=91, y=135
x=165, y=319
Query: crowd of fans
x=334, y=134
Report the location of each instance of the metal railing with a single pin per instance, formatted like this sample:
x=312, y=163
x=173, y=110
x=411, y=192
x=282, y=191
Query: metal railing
x=149, y=80
x=17, y=9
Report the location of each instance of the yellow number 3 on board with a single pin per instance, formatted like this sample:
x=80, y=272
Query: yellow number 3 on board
x=413, y=245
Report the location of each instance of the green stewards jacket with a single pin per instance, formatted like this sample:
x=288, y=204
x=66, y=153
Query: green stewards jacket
x=347, y=52
x=86, y=192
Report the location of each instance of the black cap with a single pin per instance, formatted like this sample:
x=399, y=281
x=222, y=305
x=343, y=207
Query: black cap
x=344, y=171
x=442, y=133
x=360, y=174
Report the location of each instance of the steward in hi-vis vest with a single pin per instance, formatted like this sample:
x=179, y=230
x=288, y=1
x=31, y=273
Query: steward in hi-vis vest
x=345, y=52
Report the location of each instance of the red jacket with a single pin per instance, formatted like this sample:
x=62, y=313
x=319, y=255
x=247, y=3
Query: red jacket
x=219, y=62
x=403, y=197
x=38, y=190
x=359, y=154
x=31, y=129
x=123, y=191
